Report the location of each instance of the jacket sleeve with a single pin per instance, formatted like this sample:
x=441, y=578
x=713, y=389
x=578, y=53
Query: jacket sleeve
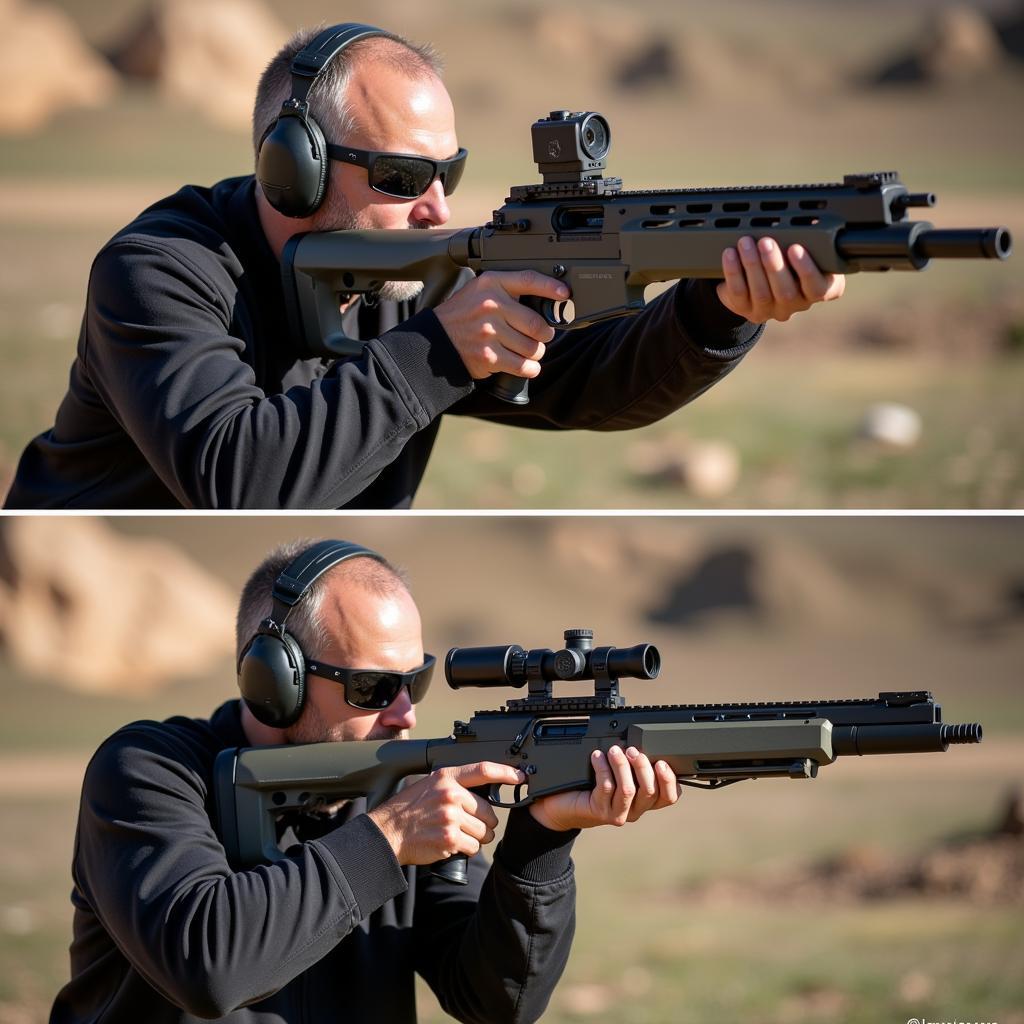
x=630, y=371
x=210, y=939
x=160, y=353
x=492, y=952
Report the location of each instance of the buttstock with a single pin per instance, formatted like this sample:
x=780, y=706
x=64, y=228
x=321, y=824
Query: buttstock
x=254, y=786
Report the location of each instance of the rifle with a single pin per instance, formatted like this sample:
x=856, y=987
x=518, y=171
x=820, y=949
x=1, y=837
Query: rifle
x=608, y=244
x=551, y=740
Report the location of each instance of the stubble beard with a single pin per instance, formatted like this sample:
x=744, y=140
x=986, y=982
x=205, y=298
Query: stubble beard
x=339, y=216
x=312, y=727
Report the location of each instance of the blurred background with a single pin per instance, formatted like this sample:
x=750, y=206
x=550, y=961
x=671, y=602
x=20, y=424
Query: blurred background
x=887, y=888
x=905, y=394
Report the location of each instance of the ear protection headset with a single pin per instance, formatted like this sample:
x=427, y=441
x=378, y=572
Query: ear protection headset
x=272, y=668
x=292, y=163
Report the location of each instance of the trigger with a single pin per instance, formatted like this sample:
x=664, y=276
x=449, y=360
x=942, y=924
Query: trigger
x=518, y=800
x=550, y=312
x=548, y=308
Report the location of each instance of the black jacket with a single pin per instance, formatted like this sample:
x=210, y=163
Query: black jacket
x=188, y=391
x=165, y=931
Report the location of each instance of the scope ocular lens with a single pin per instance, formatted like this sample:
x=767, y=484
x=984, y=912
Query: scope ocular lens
x=652, y=661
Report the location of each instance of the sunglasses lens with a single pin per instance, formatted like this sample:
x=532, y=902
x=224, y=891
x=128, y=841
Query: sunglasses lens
x=450, y=178
x=421, y=683
x=373, y=690
x=401, y=176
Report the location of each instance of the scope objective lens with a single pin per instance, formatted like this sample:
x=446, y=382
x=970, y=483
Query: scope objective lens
x=594, y=137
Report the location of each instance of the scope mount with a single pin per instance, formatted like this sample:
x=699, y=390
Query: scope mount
x=568, y=664
x=570, y=150
x=582, y=189
x=537, y=670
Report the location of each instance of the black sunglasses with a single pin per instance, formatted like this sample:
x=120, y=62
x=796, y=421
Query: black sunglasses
x=374, y=689
x=402, y=175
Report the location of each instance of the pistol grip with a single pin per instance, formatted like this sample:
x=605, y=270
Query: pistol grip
x=453, y=869
x=507, y=386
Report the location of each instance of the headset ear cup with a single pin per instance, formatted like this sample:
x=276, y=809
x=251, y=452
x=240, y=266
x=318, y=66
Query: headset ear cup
x=272, y=679
x=292, y=166
x=324, y=165
x=297, y=695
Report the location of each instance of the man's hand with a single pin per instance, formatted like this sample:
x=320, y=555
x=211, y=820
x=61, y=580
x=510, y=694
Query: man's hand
x=626, y=786
x=760, y=283
x=438, y=816
x=492, y=330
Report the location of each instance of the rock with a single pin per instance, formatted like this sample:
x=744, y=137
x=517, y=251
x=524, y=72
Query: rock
x=891, y=424
x=46, y=67
x=916, y=986
x=768, y=580
x=92, y=610
x=710, y=469
x=573, y=37
x=654, y=64
x=707, y=469
x=958, y=45
x=586, y=1000
x=204, y=55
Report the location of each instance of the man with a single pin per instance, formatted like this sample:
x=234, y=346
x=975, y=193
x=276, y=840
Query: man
x=188, y=389
x=165, y=929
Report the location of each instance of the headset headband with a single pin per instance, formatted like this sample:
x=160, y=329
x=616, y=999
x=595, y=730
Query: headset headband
x=316, y=55
x=303, y=571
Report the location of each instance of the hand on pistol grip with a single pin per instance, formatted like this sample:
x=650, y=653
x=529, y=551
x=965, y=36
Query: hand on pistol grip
x=507, y=386
x=444, y=818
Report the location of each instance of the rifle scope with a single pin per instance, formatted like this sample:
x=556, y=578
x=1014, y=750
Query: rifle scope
x=511, y=665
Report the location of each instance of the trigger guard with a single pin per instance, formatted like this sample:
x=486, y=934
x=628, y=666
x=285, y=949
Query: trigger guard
x=546, y=308
x=494, y=796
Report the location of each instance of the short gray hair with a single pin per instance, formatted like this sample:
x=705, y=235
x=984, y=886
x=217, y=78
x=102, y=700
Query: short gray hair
x=305, y=623
x=327, y=103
